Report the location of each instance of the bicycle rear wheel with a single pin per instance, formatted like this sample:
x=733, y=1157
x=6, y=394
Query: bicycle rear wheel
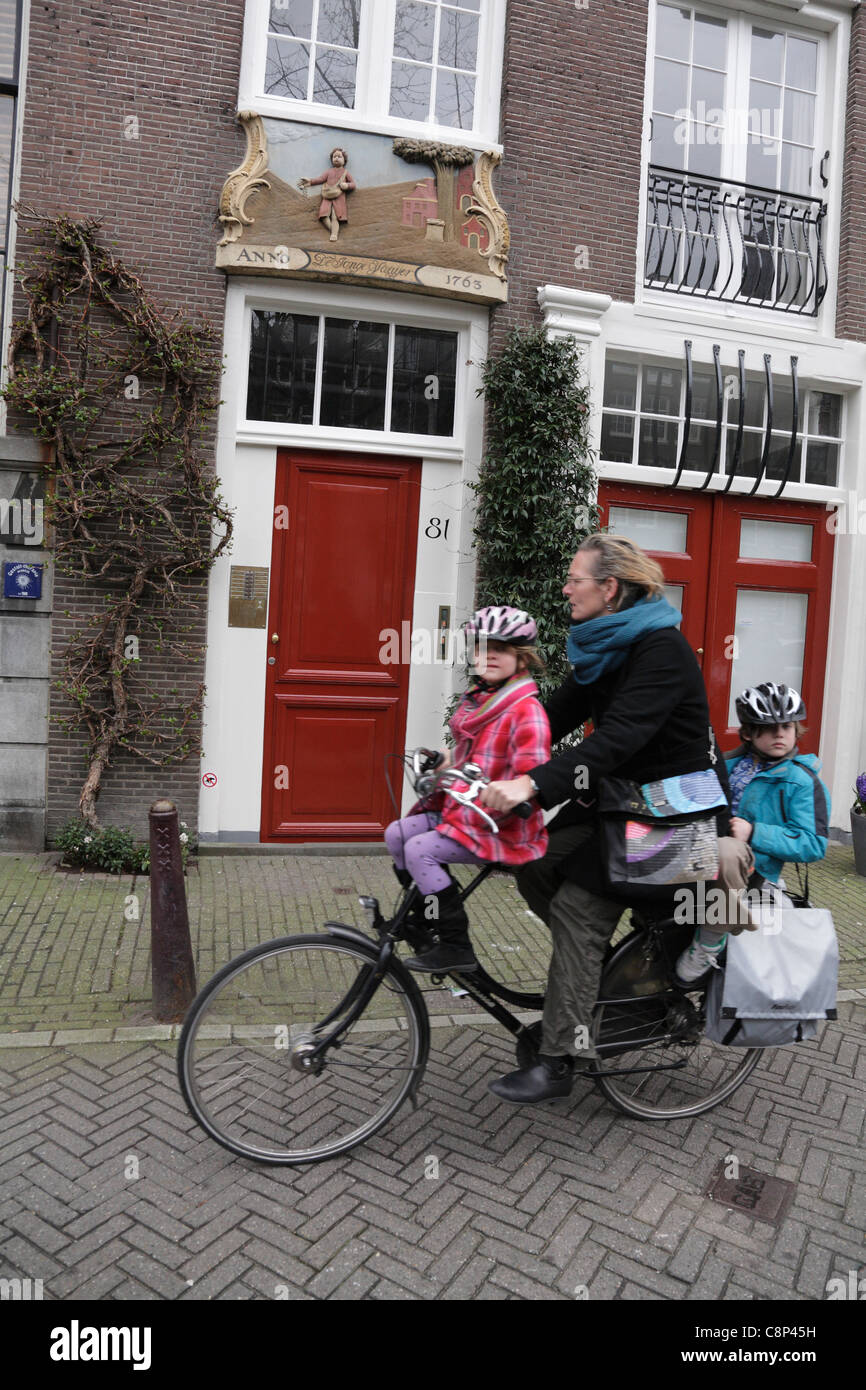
x=241, y=1054
x=655, y=1039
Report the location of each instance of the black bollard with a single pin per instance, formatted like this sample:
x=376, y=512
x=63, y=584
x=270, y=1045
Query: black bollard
x=171, y=947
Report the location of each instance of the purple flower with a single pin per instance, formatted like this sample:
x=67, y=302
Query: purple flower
x=860, y=788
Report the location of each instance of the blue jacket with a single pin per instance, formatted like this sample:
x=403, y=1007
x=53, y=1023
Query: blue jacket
x=789, y=808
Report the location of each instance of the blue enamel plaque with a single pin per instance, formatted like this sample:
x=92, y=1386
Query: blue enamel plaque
x=21, y=580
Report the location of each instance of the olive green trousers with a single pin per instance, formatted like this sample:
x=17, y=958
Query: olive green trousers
x=582, y=924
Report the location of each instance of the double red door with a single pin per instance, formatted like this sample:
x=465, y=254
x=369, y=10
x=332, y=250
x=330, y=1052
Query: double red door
x=342, y=574
x=753, y=581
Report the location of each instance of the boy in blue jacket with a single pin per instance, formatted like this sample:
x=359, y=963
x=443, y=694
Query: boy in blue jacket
x=781, y=807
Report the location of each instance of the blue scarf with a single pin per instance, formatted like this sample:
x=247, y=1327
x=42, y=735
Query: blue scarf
x=601, y=644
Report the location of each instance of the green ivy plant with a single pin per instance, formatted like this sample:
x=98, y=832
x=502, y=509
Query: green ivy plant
x=536, y=486
x=126, y=396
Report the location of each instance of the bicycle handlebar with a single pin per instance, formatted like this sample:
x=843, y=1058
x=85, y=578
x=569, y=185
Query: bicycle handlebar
x=424, y=760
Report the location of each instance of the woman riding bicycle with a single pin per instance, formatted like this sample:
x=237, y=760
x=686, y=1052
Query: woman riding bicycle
x=636, y=677
x=501, y=727
x=304, y=1047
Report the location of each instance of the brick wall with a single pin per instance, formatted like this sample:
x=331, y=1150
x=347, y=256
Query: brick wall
x=175, y=68
x=851, y=303
x=572, y=108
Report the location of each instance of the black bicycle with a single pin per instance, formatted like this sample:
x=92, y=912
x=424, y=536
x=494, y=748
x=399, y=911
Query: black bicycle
x=302, y=1048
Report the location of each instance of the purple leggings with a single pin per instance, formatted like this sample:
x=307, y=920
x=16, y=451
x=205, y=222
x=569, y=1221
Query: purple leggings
x=415, y=844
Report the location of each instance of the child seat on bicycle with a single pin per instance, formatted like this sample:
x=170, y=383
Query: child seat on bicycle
x=499, y=725
x=781, y=808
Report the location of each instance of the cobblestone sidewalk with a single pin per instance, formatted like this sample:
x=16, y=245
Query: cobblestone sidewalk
x=75, y=949
x=109, y=1191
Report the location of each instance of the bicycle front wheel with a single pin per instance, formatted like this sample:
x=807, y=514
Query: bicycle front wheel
x=241, y=1054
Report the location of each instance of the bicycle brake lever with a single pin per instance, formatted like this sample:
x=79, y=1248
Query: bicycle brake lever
x=467, y=799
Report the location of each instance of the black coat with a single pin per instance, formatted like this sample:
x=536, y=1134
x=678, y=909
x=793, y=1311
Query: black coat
x=651, y=720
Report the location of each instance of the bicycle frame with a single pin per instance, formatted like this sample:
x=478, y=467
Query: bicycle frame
x=478, y=985
x=639, y=1007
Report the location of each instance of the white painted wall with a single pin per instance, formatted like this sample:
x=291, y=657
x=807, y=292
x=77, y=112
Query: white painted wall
x=237, y=657
x=246, y=462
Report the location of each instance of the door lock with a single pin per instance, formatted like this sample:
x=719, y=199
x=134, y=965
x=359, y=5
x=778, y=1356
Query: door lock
x=275, y=637
x=700, y=651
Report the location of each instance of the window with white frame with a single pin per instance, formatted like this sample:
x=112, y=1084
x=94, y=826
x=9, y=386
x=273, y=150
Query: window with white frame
x=352, y=373
x=313, y=50
x=736, y=98
x=434, y=68
x=644, y=416
x=397, y=63
x=740, y=116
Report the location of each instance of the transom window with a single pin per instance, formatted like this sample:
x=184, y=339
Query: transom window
x=309, y=369
x=392, y=63
x=644, y=415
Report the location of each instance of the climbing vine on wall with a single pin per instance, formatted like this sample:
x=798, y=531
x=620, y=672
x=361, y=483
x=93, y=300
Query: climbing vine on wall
x=125, y=394
x=536, y=487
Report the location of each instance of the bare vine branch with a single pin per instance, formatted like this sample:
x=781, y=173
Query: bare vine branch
x=126, y=395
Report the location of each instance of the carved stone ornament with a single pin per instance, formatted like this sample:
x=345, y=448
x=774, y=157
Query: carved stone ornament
x=488, y=210
x=242, y=181
x=424, y=217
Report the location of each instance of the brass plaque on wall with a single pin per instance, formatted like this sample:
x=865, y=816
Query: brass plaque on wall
x=248, y=596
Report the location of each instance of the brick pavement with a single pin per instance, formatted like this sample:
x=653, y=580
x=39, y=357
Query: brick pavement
x=75, y=948
x=527, y=1204
x=108, y=1191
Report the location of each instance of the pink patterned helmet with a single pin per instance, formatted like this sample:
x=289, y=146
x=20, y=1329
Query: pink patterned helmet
x=503, y=624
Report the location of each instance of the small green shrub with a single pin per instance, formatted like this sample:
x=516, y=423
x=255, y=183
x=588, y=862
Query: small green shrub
x=535, y=490
x=536, y=487
x=113, y=849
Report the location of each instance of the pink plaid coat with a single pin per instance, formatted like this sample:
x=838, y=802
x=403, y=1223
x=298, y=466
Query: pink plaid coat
x=506, y=734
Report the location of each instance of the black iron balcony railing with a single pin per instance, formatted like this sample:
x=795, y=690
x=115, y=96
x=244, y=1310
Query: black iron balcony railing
x=715, y=239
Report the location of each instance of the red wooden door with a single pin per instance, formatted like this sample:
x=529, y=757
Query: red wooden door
x=343, y=571
x=771, y=576
x=755, y=579
x=675, y=529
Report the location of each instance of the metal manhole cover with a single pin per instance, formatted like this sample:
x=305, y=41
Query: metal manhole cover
x=753, y=1193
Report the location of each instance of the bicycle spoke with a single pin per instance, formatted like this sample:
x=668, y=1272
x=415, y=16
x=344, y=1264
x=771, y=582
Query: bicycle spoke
x=246, y=1033
x=707, y=1075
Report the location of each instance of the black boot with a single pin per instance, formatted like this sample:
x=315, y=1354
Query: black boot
x=419, y=930
x=549, y=1078
x=451, y=925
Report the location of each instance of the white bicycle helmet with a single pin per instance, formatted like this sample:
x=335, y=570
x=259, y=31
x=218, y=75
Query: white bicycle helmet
x=769, y=703
x=503, y=624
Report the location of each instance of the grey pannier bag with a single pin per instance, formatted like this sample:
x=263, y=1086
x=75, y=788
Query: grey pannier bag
x=779, y=982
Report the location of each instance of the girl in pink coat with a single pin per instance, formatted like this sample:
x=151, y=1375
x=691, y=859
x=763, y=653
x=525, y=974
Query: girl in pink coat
x=500, y=725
